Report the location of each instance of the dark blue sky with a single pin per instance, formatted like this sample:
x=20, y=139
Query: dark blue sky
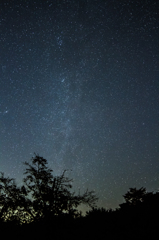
x=79, y=85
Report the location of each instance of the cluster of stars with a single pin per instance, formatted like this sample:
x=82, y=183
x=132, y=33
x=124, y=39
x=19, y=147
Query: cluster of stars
x=79, y=86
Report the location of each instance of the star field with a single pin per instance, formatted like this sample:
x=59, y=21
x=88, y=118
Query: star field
x=79, y=84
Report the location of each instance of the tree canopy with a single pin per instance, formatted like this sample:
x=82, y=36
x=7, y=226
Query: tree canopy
x=45, y=206
x=41, y=196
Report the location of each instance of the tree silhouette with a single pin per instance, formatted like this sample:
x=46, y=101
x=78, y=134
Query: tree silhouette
x=139, y=212
x=135, y=197
x=42, y=196
x=13, y=203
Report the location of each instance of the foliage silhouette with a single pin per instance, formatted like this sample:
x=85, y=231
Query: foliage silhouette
x=42, y=196
x=136, y=198
x=13, y=203
x=45, y=206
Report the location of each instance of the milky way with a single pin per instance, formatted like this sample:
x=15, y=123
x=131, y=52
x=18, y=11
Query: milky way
x=79, y=85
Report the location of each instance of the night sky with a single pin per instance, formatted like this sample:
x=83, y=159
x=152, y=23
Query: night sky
x=79, y=85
